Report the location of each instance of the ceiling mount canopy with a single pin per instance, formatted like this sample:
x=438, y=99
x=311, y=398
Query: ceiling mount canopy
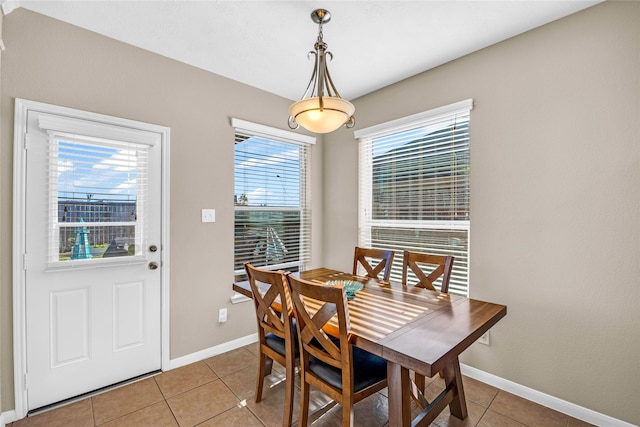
x=321, y=109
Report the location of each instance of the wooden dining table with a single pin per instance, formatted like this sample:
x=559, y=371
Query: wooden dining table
x=414, y=329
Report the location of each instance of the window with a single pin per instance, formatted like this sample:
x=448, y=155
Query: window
x=414, y=188
x=97, y=186
x=271, y=198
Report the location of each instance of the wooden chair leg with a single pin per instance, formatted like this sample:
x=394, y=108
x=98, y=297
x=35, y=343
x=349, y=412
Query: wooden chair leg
x=347, y=413
x=262, y=360
x=288, y=395
x=303, y=417
x=265, y=364
x=268, y=366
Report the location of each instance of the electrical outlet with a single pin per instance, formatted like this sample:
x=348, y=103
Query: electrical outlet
x=222, y=315
x=484, y=339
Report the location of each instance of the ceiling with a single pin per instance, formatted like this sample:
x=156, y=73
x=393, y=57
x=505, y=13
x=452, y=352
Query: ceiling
x=264, y=43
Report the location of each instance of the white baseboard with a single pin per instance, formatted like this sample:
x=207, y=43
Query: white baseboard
x=7, y=417
x=571, y=409
x=212, y=351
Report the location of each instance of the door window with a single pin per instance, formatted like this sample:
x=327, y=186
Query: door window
x=97, y=189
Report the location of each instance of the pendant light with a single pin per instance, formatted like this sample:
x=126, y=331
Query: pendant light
x=321, y=109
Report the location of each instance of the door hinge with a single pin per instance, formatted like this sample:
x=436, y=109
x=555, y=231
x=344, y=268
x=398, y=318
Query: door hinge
x=26, y=381
x=26, y=141
x=24, y=261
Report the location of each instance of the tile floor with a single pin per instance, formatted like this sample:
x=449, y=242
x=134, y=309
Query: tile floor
x=219, y=392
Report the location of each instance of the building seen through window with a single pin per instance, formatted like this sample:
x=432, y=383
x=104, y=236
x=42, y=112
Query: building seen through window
x=415, y=190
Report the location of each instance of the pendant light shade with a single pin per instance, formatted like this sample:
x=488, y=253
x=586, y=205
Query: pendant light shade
x=313, y=116
x=321, y=109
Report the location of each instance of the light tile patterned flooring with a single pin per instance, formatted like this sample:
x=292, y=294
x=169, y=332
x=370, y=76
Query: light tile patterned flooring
x=219, y=392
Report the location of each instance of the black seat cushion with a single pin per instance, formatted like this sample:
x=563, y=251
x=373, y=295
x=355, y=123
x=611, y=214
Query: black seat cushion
x=277, y=343
x=368, y=369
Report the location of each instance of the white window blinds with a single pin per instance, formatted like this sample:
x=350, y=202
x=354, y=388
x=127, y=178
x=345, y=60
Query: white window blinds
x=97, y=190
x=414, y=188
x=272, y=199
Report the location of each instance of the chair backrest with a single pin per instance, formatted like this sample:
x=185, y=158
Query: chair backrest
x=384, y=258
x=272, y=301
x=315, y=305
x=441, y=266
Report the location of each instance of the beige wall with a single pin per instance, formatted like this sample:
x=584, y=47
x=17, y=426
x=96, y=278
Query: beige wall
x=555, y=188
x=49, y=61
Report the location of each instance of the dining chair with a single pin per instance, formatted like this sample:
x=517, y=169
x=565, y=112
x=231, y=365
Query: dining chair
x=440, y=266
x=277, y=334
x=420, y=264
x=380, y=258
x=328, y=360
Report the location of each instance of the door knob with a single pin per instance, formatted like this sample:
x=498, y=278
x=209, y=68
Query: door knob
x=153, y=265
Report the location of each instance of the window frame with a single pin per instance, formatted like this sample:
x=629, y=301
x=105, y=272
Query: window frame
x=366, y=222
x=305, y=142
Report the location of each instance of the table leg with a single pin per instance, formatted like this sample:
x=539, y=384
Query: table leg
x=453, y=377
x=399, y=401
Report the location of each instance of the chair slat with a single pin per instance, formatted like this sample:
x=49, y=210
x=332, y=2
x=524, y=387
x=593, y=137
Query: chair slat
x=363, y=256
x=441, y=266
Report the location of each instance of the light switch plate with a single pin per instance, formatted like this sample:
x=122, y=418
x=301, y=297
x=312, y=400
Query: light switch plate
x=208, y=215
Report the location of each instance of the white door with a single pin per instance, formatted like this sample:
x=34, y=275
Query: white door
x=92, y=255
